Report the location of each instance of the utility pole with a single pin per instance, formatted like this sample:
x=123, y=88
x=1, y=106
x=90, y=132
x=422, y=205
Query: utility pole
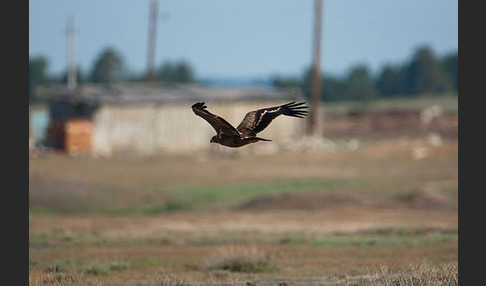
x=152, y=33
x=315, y=123
x=71, y=54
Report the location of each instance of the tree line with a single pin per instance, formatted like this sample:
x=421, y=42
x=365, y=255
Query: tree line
x=108, y=67
x=424, y=73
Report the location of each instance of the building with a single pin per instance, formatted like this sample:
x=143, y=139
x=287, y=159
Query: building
x=38, y=123
x=143, y=119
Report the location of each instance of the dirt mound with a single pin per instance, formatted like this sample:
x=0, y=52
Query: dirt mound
x=300, y=201
x=416, y=199
x=419, y=199
x=307, y=201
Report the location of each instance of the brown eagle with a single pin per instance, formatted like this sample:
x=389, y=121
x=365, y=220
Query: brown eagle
x=254, y=122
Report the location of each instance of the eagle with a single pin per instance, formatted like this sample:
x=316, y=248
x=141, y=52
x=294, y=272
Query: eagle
x=253, y=123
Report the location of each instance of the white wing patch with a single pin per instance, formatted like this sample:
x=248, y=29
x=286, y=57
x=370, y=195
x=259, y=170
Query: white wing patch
x=263, y=114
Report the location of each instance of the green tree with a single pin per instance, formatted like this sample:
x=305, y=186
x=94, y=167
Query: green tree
x=332, y=87
x=449, y=65
x=306, y=83
x=108, y=67
x=183, y=72
x=286, y=82
x=424, y=73
x=391, y=81
x=38, y=70
x=37, y=74
x=359, y=84
x=179, y=72
x=80, y=77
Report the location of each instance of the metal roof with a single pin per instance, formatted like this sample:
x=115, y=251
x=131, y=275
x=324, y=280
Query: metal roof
x=131, y=93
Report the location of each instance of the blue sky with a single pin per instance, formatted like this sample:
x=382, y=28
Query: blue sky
x=251, y=38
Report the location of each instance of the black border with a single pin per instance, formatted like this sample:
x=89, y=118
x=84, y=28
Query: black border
x=15, y=119
x=23, y=145
x=460, y=52
x=471, y=142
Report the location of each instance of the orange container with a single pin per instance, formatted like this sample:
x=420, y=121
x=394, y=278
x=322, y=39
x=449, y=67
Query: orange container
x=78, y=135
x=71, y=135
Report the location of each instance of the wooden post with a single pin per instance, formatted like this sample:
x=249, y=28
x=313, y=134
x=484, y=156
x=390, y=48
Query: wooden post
x=71, y=54
x=152, y=36
x=316, y=81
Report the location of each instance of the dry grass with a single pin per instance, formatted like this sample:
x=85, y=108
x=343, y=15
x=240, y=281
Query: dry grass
x=247, y=259
x=372, y=216
x=172, y=183
x=421, y=274
x=240, y=246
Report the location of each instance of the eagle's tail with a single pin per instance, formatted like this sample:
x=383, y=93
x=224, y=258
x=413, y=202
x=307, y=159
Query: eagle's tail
x=294, y=109
x=261, y=139
x=254, y=139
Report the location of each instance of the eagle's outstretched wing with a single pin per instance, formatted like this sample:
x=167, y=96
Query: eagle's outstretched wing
x=218, y=123
x=256, y=121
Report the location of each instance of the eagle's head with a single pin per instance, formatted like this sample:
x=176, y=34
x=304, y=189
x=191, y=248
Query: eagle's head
x=214, y=139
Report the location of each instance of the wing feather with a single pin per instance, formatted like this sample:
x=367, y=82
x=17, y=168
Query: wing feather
x=218, y=123
x=257, y=120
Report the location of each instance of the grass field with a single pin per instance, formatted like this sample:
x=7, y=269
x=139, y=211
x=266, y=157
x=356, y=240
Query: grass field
x=382, y=214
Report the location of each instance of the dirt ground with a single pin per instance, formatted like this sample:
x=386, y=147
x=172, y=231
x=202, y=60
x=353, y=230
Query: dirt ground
x=381, y=213
x=302, y=246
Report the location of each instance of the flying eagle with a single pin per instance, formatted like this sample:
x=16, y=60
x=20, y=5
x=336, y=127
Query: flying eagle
x=253, y=123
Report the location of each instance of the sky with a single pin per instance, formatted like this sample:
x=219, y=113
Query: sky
x=251, y=38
